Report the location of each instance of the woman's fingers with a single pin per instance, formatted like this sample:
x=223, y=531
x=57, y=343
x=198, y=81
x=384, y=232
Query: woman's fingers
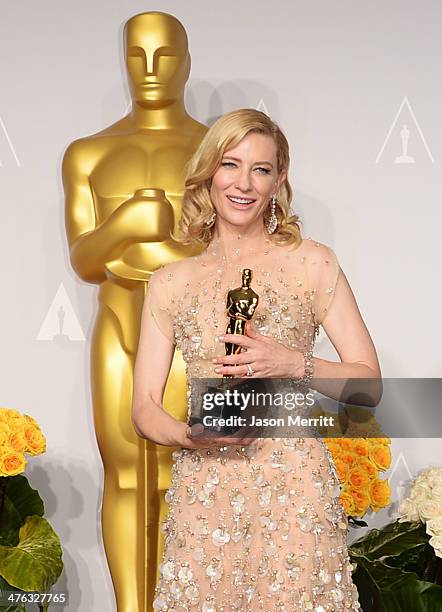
x=207, y=440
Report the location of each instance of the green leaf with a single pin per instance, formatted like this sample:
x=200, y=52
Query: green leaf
x=6, y=589
x=356, y=522
x=389, y=589
x=391, y=539
x=21, y=500
x=411, y=559
x=35, y=563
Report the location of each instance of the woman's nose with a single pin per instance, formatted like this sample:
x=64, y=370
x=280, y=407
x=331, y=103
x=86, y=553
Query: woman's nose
x=243, y=181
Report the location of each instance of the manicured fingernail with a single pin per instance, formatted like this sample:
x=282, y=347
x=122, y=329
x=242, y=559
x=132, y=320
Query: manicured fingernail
x=217, y=369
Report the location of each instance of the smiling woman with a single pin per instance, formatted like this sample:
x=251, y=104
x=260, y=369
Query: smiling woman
x=253, y=523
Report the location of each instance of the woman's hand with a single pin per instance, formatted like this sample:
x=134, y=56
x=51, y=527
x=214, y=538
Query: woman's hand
x=267, y=357
x=191, y=437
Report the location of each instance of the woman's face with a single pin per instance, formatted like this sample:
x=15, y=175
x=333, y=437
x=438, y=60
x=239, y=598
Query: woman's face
x=245, y=181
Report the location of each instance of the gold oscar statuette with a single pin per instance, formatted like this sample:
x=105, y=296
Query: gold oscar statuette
x=240, y=307
x=123, y=190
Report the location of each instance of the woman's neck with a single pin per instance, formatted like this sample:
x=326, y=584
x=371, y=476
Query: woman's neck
x=236, y=247
x=252, y=236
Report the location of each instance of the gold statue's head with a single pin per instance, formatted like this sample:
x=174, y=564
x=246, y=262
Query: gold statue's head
x=246, y=277
x=157, y=58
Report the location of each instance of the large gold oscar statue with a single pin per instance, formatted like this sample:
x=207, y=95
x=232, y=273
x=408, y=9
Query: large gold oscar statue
x=123, y=188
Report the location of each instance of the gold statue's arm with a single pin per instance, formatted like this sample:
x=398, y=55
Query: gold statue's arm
x=90, y=246
x=152, y=366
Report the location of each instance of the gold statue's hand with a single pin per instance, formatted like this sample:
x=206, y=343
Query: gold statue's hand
x=144, y=220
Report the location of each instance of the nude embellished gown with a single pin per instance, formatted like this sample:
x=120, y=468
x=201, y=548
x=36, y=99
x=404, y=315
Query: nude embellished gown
x=256, y=527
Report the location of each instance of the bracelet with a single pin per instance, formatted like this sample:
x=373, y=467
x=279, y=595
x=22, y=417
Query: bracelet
x=308, y=368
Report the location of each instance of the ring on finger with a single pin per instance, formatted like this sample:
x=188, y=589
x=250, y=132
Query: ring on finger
x=250, y=371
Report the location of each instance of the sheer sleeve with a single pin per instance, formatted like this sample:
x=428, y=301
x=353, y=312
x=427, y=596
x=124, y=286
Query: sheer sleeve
x=323, y=271
x=158, y=301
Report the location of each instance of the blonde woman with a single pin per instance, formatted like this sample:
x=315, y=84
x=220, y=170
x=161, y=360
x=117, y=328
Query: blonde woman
x=253, y=524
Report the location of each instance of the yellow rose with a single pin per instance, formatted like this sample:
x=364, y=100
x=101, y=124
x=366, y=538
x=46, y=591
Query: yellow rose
x=380, y=454
x=361, y=501
x=17, y=441
x=8, y=413
x=4, y=433
x=12, y=463
x=36, y=442
x=14, y=419
x=342, y=470
x=380, y=494
x=369, y=467
x=29, y=420
x=347, y=502
x=383, y=441
x=358, y=478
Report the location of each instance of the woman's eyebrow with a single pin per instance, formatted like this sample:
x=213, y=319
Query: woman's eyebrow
x=238, y=160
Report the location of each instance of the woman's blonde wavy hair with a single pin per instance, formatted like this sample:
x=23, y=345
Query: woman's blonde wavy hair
x=226, y=133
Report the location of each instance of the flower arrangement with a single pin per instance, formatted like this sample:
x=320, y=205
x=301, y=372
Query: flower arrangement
x=359, y=457
x=358, y=462
x=424, y=505
x=30, y=550
x=397, y=567
x=19, y=434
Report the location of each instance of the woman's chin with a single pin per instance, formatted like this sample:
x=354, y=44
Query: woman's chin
x=240, y=219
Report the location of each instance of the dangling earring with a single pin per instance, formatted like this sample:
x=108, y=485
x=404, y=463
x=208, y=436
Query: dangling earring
x=210, y=220
x=272, y=221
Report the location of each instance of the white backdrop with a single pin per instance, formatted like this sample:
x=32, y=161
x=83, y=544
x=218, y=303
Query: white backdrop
x=342, y=78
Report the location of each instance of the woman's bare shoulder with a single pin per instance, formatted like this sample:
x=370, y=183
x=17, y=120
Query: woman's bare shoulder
x=176, y=270
x=314, y=249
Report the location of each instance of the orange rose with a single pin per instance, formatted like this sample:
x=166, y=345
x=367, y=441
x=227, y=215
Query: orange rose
x=358, y=478
x=342, y=470
x=380, y=493
x=369, y=467
x=380, y=454
x=361, y=500
x=345, y=443
x=360, y=447
x=348, y=457
x=12, y=463
x=347, y=502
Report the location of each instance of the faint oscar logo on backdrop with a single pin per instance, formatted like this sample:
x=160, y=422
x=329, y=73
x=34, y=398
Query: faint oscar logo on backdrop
x=7, y=150
x=399, y=480
x=405, y=138
x=61, y=324
x=262, y=107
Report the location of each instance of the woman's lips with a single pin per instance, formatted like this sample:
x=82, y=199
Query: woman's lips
x=239, y=205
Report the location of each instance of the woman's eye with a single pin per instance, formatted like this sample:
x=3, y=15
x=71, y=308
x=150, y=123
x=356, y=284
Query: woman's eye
x=262, y=170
